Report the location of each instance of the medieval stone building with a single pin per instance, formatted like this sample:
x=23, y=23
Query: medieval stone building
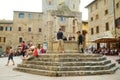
x=40, y=27
x=102, y=25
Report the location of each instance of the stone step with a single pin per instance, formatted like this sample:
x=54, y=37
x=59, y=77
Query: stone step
x=68, y=55
x=67, y=64
x=71, y=59
x=67, y=68
x=66, y=51
x=81, y=63
x=65, y=73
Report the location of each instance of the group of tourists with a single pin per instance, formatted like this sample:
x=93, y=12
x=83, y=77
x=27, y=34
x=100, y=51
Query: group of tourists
x=28, y=51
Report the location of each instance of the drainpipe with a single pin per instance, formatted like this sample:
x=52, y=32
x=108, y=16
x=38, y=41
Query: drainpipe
x=114, y=18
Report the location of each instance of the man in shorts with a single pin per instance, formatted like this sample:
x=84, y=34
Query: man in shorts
x=60, y=40
x=80, y=42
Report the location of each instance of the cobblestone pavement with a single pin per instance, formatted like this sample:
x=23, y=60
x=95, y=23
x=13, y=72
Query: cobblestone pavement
x=6, y=73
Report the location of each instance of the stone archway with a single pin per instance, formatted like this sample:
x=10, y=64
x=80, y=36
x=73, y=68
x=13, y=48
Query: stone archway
x=63, y=28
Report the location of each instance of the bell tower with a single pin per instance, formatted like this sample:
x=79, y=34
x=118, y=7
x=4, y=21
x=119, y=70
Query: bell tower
x=49, y=5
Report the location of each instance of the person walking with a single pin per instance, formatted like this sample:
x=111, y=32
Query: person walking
x=60, y=40
x=80, y=42
x=10, y=55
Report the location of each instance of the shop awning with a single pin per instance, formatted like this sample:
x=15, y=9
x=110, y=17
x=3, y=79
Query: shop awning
x=107, y=40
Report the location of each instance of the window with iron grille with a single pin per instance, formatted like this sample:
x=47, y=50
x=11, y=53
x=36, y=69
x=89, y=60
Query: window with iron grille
x=107, y=26
x=92, y=31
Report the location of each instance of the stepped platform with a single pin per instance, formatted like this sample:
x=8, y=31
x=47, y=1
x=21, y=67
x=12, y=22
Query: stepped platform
x=68, y=64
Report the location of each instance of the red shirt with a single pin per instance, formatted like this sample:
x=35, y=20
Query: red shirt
x=35, y=53
x=23, y=46
x=42, y=50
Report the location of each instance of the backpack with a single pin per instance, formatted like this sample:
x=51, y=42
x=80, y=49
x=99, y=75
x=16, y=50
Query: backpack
x=25, y=47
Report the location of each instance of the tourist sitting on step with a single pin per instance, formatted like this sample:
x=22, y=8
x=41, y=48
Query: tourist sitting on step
x=118, y=60
x=42, y=50
x=29, y=56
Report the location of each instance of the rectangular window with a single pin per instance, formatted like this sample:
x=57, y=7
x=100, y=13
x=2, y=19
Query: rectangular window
x=62, y=19
x=106, y=12
x=92, y=31
x=20, y=39
x=97, y=29
x=107, y=26
x=29, y=29
x=4, y=40
x=1, y=28
x=8, y=28
x=40, y=30
x=117, y=5
x=19, y=28
x=91, y=18
x=29, y=15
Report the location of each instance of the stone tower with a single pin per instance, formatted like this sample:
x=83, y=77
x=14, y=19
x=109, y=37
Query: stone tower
x=62, y=14
x=47, y=5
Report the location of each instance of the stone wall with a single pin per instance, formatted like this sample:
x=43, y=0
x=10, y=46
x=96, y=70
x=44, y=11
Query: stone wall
x=69, y=46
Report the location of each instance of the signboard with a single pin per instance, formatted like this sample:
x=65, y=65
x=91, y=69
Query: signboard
x=45, y=45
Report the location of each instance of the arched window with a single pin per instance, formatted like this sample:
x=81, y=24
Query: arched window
x=21, y=15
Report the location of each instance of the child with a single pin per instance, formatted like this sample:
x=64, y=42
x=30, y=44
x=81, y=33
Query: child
x=10, y=55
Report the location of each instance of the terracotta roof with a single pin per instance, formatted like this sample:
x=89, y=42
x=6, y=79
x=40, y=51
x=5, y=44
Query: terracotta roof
x=106, y=40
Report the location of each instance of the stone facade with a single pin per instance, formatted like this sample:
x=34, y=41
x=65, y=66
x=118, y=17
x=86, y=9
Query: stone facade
x=101, y=20
x=117, y=17
x=40, y=27
x=6, y=33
